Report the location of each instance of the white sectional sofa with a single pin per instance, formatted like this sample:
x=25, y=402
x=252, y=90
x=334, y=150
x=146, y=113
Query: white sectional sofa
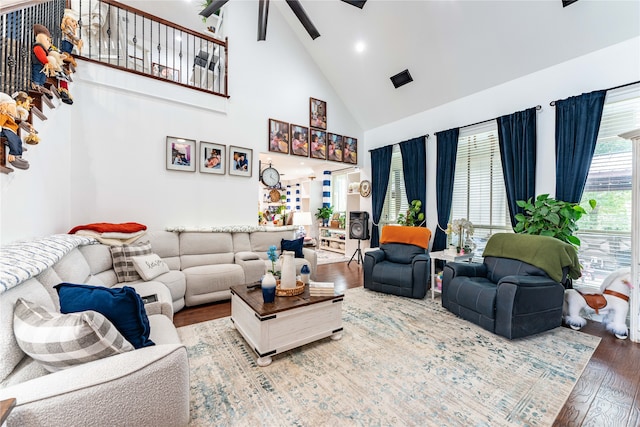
x=146, y=386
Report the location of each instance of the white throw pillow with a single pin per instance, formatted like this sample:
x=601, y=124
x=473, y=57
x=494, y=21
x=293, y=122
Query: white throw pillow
x=149, y=266
x=60, y=341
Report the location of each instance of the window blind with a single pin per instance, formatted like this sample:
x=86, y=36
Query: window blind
x=395, y=201
x=478, y=192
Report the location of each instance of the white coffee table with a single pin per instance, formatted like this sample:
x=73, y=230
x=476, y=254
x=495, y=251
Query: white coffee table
x=445, y=256
x=287, y=323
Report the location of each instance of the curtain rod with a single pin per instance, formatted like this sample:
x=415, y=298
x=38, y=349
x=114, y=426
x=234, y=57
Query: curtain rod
x=425, y=137
x=537, y=107
x=553, y=103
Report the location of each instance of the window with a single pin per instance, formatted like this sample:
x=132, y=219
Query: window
x=605, y=232
x=479, y=193
x=395, y=201
x=339, y=192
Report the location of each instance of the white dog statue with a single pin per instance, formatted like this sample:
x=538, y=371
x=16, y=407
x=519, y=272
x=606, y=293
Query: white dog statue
x=612, y=301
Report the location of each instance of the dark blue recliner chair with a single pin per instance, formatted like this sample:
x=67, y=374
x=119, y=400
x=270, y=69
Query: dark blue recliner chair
x=518, y=289
x=401, y=266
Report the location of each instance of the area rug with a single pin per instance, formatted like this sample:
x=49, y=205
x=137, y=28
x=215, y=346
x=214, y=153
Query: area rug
x=400, y=362
x=328, y=257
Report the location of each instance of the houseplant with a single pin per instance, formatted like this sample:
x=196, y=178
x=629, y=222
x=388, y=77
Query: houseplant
x=413, y=218
x=547, y=216
x=324, y=213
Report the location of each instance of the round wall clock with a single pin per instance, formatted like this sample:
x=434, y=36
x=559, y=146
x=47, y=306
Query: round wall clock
x=365, y=188
x=270, y=177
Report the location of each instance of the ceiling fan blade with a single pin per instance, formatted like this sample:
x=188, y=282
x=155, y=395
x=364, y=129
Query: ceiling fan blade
x=356, y=3
x=263, y=15
x=213, y=7
x=297, y=9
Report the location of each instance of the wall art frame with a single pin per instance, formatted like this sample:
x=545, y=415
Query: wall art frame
x=317, y=114
x=350, y=150
x=318, y=144
x=335, y=143
x=278, y=136
x=240, y=161
x=299, y=137
x=212, y=158
x=181, y=154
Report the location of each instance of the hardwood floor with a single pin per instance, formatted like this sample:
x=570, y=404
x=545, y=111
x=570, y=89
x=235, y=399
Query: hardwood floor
x=607, y=394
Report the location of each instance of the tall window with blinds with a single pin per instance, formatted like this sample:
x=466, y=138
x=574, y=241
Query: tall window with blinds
x=478, y=191
x=605, y=232
x=395, y=201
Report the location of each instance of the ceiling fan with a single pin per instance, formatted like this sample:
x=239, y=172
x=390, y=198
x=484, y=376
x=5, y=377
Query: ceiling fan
x=263, y=13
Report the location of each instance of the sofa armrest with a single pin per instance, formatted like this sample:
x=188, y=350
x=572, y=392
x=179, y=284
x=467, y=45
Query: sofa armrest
x=528, y=281
x=246, y=256
x=312, y=258
x=148, y=386
x=421, y=268
x=376, y=256
x=467, y=269
x=164, y=305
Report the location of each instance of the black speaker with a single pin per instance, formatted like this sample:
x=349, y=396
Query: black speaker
x=359, y=225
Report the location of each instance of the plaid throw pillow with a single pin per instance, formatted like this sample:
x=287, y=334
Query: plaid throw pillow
x=122, y=262
x=60, y=341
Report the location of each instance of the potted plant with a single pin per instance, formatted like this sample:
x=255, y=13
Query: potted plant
x=547, y=216
x=413, y=218
x=324, y=213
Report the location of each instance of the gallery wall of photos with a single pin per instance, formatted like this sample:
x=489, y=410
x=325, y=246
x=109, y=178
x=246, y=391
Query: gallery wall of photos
x=313, y=141
x=184, y=154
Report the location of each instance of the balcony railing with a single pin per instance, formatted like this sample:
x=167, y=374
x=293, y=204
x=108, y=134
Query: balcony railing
x=118, y=36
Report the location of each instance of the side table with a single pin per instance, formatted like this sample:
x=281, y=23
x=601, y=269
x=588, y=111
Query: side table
x=448, y=257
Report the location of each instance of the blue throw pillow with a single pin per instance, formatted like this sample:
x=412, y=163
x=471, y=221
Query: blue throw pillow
x=122, y=306
x=293, y=245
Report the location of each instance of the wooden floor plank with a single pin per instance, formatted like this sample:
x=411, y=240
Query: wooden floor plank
x=606, y=394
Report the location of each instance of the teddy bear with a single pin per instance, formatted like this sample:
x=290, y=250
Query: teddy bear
x=8, y=114
x=47, y=62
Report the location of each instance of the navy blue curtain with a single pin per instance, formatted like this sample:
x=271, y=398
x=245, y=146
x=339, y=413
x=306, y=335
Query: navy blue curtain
x=517, y=140
x=380, y=168
x=445, y=172
x=414, y=166
x=577, y=126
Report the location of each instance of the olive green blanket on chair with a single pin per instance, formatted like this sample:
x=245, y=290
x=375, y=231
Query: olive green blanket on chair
x=546, y=253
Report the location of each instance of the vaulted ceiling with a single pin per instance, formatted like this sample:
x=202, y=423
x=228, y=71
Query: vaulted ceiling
x=452, y=48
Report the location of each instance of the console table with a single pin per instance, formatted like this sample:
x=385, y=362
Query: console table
x=448, y=257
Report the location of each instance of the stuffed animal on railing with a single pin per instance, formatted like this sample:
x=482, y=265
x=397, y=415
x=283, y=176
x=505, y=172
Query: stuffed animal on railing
x=8, y=114
x=47, y=62
x=23, y=105
x=612, y=301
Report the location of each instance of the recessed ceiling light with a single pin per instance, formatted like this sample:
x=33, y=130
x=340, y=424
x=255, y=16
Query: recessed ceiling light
x=360, y=47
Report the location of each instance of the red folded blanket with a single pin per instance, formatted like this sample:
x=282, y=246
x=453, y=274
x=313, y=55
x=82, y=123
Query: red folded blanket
x=106, y=227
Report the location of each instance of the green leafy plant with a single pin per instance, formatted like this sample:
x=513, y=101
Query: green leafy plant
x=324, y=213
x=413, y=218
x=547, y=216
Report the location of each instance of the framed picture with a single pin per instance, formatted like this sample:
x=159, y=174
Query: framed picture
x=350, y=150
x=334, y=147
x=240, y=161
x=299, y=140
x=317, y=113
x=181, y=154
x=278, y=136
x=318, y=145
x=212, y=158
x=165, y=72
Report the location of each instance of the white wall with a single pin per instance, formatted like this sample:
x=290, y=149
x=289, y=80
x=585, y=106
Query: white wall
x=105, y=155
x=616, y=65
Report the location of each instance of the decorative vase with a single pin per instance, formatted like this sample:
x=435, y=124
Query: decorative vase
x=288, y=277
x=268, y=288
x=304, y=274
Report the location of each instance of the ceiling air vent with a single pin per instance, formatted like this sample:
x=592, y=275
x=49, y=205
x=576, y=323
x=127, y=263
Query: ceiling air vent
x=401, y=79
